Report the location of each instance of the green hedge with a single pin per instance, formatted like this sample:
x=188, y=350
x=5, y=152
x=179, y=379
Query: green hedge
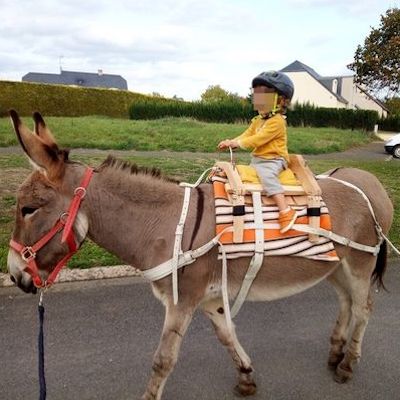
x=60, y=100
x=391, y=123
x=308, y=115
x=66, y=101
x=227, y=112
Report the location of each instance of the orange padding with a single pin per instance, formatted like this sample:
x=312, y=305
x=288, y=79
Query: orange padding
x=269, y=234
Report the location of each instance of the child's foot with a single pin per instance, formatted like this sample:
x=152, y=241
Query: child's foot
x=287, y=219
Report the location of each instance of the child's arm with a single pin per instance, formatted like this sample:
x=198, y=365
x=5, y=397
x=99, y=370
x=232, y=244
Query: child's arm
x=271, y=130
x=234, y=143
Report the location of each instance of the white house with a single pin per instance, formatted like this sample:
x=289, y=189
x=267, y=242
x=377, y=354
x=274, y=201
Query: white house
x=330, y=91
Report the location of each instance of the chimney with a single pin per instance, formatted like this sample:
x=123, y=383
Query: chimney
x=100, y=72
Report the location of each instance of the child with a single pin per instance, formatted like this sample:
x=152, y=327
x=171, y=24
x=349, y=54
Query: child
x=272, y=92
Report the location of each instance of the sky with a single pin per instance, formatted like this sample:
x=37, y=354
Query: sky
x=180, y=47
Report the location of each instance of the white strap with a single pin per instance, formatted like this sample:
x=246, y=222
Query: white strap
x=258, y=257
x=188, y=257
x=224, y=289
x=179, y=233
x=197, y=183
x=348, y=184
x=378, y=228
x=178, y=242
x=337, y=238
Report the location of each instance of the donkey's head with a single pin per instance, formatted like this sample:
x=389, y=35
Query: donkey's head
x=41, y=202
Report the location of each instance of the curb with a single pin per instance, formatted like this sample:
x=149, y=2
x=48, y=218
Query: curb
x=75, y=275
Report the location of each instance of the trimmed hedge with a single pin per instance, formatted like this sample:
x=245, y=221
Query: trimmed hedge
x=61, y=100
x=308, y=115
x=66, y=101
x=229, y=112
x=391, y=123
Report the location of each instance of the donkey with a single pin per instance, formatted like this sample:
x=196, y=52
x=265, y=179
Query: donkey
x=133, y=212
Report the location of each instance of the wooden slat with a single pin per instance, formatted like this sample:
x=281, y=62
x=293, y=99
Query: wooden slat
x=252, y=187
x=304, y=175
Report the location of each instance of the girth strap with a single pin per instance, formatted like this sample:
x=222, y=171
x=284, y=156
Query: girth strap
x=258, y=257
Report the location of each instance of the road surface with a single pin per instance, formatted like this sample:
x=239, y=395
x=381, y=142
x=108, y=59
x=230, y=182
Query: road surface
x=100, y=337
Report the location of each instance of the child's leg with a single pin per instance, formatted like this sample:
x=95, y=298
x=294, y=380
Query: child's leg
x=268, y=171
x=280, y=201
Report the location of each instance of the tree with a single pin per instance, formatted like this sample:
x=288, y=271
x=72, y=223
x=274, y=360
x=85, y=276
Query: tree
x=393, y=105
x=377, y=63
x=216, y=93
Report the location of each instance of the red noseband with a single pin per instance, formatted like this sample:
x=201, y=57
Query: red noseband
x=64, y=223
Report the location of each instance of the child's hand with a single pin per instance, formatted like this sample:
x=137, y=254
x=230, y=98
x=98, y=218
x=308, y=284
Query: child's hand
x=228, y=143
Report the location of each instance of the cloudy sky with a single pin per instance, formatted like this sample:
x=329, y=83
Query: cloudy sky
x=179, y=47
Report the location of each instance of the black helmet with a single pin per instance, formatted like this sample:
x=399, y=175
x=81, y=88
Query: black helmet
x=277, y=80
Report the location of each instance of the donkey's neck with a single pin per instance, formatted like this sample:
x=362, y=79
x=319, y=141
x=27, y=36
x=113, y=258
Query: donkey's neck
x=134, y=216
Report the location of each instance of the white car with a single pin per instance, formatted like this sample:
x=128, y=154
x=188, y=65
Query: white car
x=392, y=146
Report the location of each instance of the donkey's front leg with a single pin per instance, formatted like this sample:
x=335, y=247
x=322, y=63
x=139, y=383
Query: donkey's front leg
x=177, y=319
x=214, y=310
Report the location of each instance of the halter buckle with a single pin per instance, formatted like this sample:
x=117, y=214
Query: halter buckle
x=80, y=191
x=28, y=254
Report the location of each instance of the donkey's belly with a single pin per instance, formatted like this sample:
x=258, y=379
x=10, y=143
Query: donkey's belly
x=283, y=276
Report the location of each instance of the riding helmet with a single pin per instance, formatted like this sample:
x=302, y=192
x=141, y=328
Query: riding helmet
x=277, y=80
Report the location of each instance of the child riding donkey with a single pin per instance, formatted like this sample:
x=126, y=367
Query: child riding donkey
x=267, y=136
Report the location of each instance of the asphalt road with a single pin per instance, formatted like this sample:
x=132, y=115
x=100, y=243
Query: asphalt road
x=100, y=337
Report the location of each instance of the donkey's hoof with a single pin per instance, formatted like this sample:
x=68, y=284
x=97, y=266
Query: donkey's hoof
x=245, y=389
x=343, y=375
x=334, y=360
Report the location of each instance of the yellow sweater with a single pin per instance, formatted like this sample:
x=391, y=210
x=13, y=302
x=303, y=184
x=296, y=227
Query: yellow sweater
x=267, y=137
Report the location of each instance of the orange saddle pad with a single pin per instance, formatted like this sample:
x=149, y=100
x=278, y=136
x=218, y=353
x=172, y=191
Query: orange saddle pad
x=293, y=243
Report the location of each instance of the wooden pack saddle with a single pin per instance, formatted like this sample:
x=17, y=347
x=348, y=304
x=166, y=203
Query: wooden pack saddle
x=305, y=191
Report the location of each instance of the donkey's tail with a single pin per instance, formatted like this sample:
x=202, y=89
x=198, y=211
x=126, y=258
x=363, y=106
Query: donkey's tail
x=380, y=268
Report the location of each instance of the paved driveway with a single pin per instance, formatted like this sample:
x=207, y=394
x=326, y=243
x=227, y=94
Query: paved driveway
x=100, y=337
x=373, y=151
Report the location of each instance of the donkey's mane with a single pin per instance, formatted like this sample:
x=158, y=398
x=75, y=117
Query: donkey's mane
x=112, y=163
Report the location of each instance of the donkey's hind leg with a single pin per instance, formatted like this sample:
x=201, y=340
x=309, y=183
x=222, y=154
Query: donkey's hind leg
x=177, y=319
x=359, y=281
x=214, y=310
x=341, y=330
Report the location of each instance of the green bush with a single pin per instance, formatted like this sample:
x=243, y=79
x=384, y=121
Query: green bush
x=66, y=101
x=227, y=111
x=391, y=123
x=309, y=115
x=233, y=111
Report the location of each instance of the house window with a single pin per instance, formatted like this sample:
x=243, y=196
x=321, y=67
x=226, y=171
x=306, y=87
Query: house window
x=334, y=85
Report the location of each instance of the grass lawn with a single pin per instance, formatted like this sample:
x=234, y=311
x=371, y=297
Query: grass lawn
x=176, y=134
x=15, y=168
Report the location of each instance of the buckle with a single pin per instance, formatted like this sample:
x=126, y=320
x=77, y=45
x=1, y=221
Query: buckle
x=28, y=254
x=63, y=217
x=80, y=191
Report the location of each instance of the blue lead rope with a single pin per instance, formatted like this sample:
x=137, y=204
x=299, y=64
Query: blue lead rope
x=42, y=379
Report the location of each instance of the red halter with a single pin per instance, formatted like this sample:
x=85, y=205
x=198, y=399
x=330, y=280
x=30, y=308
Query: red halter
x=65, y=222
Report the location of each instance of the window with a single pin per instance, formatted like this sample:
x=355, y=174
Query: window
x=334, y=85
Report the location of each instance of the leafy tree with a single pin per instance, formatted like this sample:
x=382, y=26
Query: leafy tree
x=393, y=105
x=217, y=94
x=377, y=63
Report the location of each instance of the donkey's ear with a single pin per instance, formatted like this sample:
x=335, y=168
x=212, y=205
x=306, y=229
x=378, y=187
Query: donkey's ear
x=43, y=131
x=41, y=152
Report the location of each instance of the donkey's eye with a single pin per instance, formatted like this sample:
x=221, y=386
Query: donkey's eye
x=28, y=210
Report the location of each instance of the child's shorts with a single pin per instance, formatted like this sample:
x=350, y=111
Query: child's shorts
x=268, y=172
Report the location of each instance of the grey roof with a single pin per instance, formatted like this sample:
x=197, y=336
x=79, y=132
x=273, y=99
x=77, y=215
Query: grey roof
x=85, y=79
x=327, y=81
x=298, y=66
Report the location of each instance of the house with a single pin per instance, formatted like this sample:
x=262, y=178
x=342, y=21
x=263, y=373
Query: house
x=330, y=91
x=74, y=78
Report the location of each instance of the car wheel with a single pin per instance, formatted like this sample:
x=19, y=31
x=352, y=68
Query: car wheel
x=396, y=151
